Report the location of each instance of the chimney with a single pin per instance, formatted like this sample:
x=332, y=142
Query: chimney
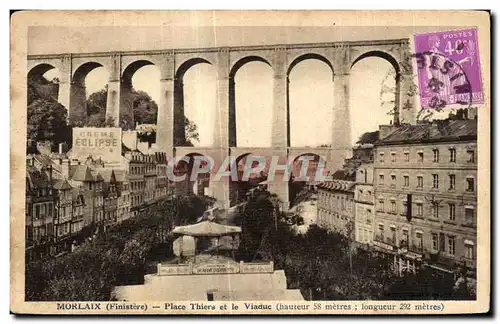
x=65, y=163
x=472, y=113
x=63, y=148
x=385, y=130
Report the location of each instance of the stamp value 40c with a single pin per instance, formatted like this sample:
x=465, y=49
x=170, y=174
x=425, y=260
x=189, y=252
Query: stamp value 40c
x=449, y=72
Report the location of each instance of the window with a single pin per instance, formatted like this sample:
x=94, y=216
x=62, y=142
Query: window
x=452, y=181
x=435, y=210
x=381, y=179
x=381, y=204
x=420, y=240
x=451, y=211
x=451, y=245
x=393, y=179
x=381, y=228
x=469, y=216
x=407, y=181
x=420, y=209
x=404, y=240
x=393, y=157
x=420, y=156
x=404, y=211
x=381, y=159
x=407, y=157
x=471, y=155
x=37, y=211
x=435, y=242
x=420, y=182
x=469, y=249
x=393, y=234
x=470, y=185
x=435, y=181
x=436, y=155
x=453, y=155
x=393, y=206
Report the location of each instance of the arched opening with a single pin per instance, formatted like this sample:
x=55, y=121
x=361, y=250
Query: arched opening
x=239, y=190
x=191, y=184
x=43, y=83
x=89, y=95
x=195, y=77
x=302, y=184
x=374, y=87
x=139, y=95
x=200, y=105
x=310, y=101
x=250, y=103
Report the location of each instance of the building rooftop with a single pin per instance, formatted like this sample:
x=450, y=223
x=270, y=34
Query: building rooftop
x=96, y=175
x=338, y=185
x=108, y=174
x=36, y=178
x=43, y=159
x=437, y=131
x=62, y=184
x=81, y=173
x=344, y=174
x=121, y=176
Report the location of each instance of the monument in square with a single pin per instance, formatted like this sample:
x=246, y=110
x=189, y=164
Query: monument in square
x=203, y=273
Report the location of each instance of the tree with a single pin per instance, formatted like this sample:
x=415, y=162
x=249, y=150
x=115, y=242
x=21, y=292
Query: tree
x=96, y=103
x=191, y=132
x=46, y=117
x=145, y=108
x=368, y=138
x=257, y=219
x=145, y=112
x=41, y=88
x=47, y=121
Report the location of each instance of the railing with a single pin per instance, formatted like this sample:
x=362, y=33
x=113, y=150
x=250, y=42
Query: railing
x=214, y=268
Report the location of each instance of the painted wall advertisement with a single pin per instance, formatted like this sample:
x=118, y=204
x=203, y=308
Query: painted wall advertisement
x=104, y=143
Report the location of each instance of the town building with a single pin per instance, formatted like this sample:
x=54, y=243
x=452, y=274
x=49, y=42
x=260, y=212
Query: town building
x=77, y=218
x=123, y=203
x=336, y=203
x=133, y=162
x=426, y=194
x=110, y=195
x=39, y=210
x=162, y=181
x=364, y=199
x=150, y=178
x=68, y=200
x=63, y=215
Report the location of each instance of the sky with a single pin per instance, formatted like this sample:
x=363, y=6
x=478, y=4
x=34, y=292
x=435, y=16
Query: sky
x=311, y=86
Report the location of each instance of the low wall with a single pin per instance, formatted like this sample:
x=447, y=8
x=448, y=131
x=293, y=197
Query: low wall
x=214, y=268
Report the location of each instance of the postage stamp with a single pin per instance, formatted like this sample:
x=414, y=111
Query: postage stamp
x=449, y=72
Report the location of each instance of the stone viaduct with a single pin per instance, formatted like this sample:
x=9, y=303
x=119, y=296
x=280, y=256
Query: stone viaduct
x=173, y=64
